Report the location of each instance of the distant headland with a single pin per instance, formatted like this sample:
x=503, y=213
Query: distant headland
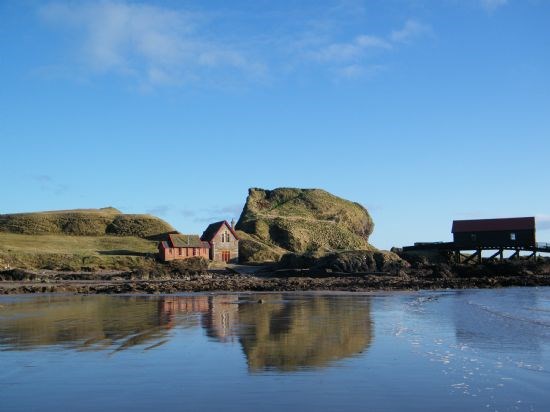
x=285, y=239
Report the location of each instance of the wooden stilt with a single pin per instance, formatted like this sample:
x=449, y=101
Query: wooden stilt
x=477, y=255
x=499, y=253
x=457, y=256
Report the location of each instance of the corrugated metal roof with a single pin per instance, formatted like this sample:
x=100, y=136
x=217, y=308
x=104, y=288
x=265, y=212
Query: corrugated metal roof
x=492, y=225
x=180, y=240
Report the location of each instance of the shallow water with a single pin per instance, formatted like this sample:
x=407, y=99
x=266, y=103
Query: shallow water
x=457, y=350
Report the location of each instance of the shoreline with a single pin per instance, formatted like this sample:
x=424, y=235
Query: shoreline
x=246, y=283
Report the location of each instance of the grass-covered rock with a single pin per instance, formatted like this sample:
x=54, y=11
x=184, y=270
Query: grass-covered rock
x=301, y=221
x=256, y=250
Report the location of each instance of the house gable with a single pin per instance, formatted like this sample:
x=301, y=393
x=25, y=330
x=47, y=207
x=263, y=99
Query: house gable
x=214, y=229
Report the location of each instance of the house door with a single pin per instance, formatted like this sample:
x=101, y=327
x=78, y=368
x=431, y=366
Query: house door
x=226, y=255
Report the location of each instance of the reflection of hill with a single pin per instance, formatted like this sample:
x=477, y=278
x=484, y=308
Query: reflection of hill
x=293, y=334
x=81, y=322
x=285, y=332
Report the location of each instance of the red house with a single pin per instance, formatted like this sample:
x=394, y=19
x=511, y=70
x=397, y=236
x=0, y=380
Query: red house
x=501, y=233
x=180, y=246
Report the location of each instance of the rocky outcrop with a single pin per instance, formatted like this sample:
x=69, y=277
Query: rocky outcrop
x=301, y=221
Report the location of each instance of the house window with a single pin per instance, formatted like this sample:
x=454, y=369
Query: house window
x=512, y=236
x=194, y=251
x=473, y=237
x=181, y=251
x=225, y=237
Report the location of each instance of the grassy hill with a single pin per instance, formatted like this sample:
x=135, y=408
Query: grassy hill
x=88, y=239
x=84, y=222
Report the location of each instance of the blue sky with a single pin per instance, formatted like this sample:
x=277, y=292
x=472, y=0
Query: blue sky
x=423, y=111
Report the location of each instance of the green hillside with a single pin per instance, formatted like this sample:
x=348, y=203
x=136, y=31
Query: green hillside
x=84, y=222
x=80, y=239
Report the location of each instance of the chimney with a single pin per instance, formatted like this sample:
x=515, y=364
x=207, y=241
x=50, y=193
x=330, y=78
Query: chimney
x=233, y=224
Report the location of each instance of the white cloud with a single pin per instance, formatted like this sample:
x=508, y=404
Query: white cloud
x=492, y=5
x=410, y=31
x=156, y=45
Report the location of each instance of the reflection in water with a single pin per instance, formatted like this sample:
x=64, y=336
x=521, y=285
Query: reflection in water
x=289, y=334
x=82, y=322
x=284, y=332
x=222, y=317
x=451, y=350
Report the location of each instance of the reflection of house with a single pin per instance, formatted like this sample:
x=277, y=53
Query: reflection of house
x=223, y=241
x=180, y=246
x=223, y=316
x=219, y=314
x=187, y=304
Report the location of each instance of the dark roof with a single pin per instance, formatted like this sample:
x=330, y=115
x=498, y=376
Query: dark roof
x=214, y=228
x=180, y=240
x=492, y=225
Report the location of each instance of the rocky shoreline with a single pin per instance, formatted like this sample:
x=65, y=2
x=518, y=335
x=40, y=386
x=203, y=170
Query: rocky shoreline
x=350, y=273
x=227, y=282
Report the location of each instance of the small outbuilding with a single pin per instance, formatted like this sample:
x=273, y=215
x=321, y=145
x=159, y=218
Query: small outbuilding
x=518, y=232
x=223, y=242
x=179, y=246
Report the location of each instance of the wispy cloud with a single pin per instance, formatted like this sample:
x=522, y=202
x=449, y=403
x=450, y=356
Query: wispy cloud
x=155, y=45
x=198, y=215
x=543, y=222
x=411, y=30
x=188, y=213
x=353, y=59
x=349, y=51
x=48, y=184
x=160, y=210
x=354, y=71
x=171, y=210
x=215, y=214
x=160, y=45
x=491, y=5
